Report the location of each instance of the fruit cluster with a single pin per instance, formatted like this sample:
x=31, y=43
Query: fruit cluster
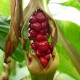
x=39, y=33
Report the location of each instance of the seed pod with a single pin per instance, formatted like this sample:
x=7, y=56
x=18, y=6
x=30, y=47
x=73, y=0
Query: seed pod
x=45, y=58
x=36, y=69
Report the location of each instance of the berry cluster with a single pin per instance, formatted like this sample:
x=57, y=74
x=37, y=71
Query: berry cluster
x=39, y=33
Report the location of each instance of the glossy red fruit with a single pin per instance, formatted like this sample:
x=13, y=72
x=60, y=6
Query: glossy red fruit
x=46, y=30
x=48, y=51
x=40, y=37
x=36, y=26
x=44, y=24
x=40, y=17
x=47, y=56
x=42, y=32
x=38, y=53
x=43, y=61
x=29, y=25
x=51, y=47
x=33, y=33
x=43, y=46
x=47, y=35
x=30, y=59
x=34, y=46
x=29, y=30
x=43, y=54
x=30, y=37
x=32, y=19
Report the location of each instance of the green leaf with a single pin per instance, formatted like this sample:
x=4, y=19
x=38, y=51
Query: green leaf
x=72, y=3
x=18, y=55
x=5, y=7
x=1, y=61
x=47, y=1
x=71, y=32
x=4, y=28
x=66, y=65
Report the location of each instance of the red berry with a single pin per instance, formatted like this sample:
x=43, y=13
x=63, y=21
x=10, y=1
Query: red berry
x=36, y=26
x=29, y=25
x=34, y=45
x=40, y=37
x=44, y=24
x=43, y=61
x=30, y=59
x=40, y=17
x=46, y=30
x=43, y=46
x=48, y=51
x=51, y=47
x=29, y=30
x=30, y=37
x=33, y=19
x=38, y=53
x=47, y=56
x=33, y=33
x=42, y=32
x=43, y=54
x=47, y=35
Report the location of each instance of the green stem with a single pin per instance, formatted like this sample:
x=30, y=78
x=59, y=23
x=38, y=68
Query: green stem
x=42, y=76
x=11, y=66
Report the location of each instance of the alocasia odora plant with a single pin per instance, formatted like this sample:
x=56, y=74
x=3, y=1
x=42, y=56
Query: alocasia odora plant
x=42, y=61
x=40, y=54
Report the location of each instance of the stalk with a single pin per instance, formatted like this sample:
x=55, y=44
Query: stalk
x=42, y=76
x=11, y=66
